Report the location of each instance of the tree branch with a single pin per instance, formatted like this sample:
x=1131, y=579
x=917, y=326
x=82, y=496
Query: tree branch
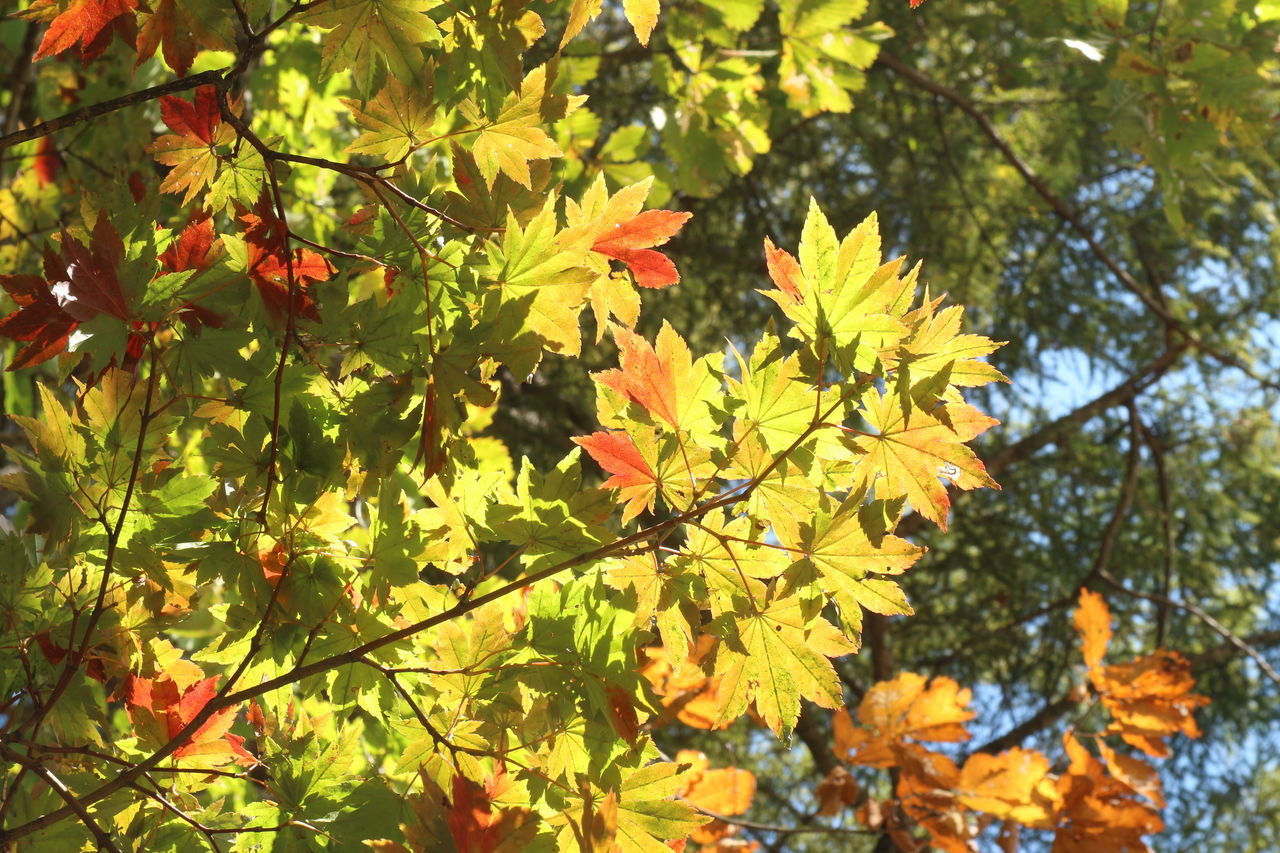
x=100, y=109
x=928, y=84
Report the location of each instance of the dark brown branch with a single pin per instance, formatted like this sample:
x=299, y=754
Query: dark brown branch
x=100, y=109
x=1102, y=559
x=1229, y=649
x=1049, y=714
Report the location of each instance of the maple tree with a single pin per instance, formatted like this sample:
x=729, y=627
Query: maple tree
x=273, y=580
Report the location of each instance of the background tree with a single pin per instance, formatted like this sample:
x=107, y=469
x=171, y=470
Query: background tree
x=1090, y=179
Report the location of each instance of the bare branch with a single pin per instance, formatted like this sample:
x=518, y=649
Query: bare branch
x=100, y=109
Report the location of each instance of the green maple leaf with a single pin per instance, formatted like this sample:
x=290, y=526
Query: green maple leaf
x=841, y=546
x=366, y=34
x=780, y=403
x=507, y=143
x=844, y=302
x=730, y=559
x=783, y=493
x=531, y=265
x=776, y=656
x=822, y=58
x=649, y=814
x=396, y=121
x=914, y=448
x=937, y=351
x=555, y=517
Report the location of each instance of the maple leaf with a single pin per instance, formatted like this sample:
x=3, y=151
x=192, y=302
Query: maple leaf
x=270, y=264
x=580, y=13
x=191, y=149
x=665, y=381
x=1149, y=698
x=475, y=826
x=79, y=284
x=191, y=250
x=160, y=707
x=780, y=403
x=730, y=563
x=615, y=228
x=913, y=449
x=936, y=347
x=648, y=811
x=516, y=136
x=775, y=656
x=92, y=23
x=1013, y=785
x=843, y=301
x=617, y=453
x=687, y=693
x=533, y=266
x=631, y=242
x=908, y=707
x=40, y=321
x=725, y=791
x=396, y=120
x=842, y=553
x=364, y=34
x=1097, y=811
x=182, y=33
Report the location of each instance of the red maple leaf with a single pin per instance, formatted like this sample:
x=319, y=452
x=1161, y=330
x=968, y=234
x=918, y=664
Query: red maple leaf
x=47, y=162
x=78, y=285
x=161, y=707
x=270, y=264
x=198, y=119
x=92, y=23
x=616, y=453
x=191, y=250
x=631, y=242
x=477, y=827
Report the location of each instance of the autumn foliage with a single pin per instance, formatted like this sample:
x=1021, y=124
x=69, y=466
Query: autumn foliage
x=285, y=583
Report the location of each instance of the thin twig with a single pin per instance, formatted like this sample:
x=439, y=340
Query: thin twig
x=1060, y=207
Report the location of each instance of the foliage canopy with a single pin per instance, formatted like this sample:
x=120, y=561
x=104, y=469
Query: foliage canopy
x=369, y=491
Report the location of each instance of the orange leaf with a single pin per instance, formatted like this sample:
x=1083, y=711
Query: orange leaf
x=161, y=707
x=784, y=269
x=1013, y=785
x=728, y=791
x=1093, y=623
x=89, y=22
x=687, y=693
x=1150, y=698
x=906, y=708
